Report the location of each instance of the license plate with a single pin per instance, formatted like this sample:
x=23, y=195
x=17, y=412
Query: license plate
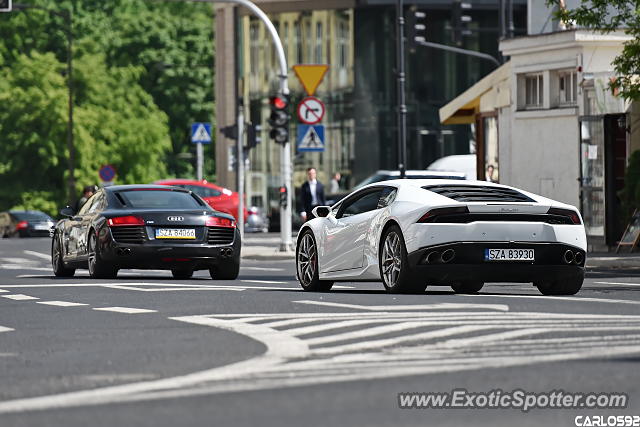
x=42, y=226
x=509, y=254
x=176, y=233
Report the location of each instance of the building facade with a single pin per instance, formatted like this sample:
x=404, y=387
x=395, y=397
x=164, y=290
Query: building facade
x=356, y=38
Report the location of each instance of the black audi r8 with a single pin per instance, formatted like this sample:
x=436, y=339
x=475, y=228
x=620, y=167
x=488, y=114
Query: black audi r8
x=146, y=227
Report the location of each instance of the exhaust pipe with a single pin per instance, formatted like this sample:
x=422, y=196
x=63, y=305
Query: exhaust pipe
x=448, y=256
x=123, y=251
x=568, y=257
x=578, y=258
x=432, y=257
x=226, y=252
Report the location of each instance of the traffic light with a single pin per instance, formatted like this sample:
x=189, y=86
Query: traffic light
x=253, y=135
x=416, y=27
x=283, y=196
x=279, y=119
x=5, y=5
x=460, y=21
x=230, y=131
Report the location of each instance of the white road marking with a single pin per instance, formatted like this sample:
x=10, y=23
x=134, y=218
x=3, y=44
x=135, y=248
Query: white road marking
x=126, y=310
x=181, y=288
x=261, y=268
x=557, y=298
x=441, y=306
x=3, y=291
x=5, y=329
x=24, y=267
x=61, y=303
x=266, y=282
x=46, y=257
x=19, y=297
x=445, y=346
x=618, y=283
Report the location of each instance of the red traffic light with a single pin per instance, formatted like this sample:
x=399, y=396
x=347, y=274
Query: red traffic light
x=278, y=102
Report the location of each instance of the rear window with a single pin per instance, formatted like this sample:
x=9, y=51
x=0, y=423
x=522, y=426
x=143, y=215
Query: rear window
x=159, y=199
x=31, y=216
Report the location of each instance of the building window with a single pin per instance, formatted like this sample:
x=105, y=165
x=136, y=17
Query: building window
x=298, y=43
x=319, y=43
x=342, y=45
x=533, y=90
x=254, y=47
x=308, y=41
x=567, y=87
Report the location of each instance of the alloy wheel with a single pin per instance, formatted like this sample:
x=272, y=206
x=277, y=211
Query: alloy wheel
x=307, y=260
x=391, y=259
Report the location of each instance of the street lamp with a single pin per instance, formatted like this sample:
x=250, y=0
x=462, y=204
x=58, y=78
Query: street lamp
x=66, y=14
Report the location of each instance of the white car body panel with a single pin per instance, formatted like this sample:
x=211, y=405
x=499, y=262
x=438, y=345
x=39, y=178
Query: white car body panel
x=348, y=247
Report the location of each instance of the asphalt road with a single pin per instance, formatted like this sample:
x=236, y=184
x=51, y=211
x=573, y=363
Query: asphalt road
x=148, y=350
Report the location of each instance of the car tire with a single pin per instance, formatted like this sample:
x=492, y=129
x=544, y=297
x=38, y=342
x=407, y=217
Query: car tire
x=467, y=287
x=98, y=268
x=182, y=273
x=395, y=271
x=227, y=271
x=60, y=269
x=307, y=268
x=569, y=286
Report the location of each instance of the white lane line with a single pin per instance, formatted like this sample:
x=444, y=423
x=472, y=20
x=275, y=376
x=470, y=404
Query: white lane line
x=556, y=298
x=261, y=268
x=38, y=254
x=266, y=282
x=3, y=291
x=24, y=267
x=126, y=310
x=618, y=283
x=19, y=297
x=379, y=330
x=61, y=303
x=343, y=287
x=5, y=329
x=181, y=288
x=441, y=306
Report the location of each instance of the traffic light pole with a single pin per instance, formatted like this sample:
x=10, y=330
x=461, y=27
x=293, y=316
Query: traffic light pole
x=286, y=244
x=240, y=163
x=402, y=107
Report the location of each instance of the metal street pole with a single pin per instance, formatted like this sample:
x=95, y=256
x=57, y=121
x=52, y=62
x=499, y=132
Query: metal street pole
x=71, y=161
x=402, y=108
x=199, y=160
x=240, y=163
x=286, y=243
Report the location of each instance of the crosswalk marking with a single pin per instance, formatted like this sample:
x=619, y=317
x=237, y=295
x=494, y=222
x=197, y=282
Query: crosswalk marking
x=5, y=329
x=45, y=257
x=3, y=291
x=126, y=310
x=61, y=303
x=19, y=297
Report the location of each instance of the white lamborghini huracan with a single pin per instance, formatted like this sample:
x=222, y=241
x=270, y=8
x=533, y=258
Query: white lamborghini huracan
x=411, y=234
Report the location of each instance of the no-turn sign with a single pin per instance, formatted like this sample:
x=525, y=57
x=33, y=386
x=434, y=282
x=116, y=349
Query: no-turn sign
x=310, y=110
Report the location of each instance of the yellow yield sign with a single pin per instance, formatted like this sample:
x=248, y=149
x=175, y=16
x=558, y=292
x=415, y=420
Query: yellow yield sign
x=310, y=76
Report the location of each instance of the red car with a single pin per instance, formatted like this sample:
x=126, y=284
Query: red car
x=219, y=198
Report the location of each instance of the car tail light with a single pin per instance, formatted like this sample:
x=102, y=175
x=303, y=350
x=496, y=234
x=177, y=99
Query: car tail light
x=433, y=214
x=216, y=221
x=22, y=225
x=125, y=220
x=571, y=214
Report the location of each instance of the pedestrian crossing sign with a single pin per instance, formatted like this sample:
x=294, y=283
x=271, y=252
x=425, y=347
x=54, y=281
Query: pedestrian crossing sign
x=201, y=133
x=310, y=138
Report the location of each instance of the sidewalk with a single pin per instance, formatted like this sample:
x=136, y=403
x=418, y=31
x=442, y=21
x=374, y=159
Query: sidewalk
x=613, y=260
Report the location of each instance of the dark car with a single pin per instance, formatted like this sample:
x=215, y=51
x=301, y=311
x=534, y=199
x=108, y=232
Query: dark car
x=25, y=224
x=146, y=227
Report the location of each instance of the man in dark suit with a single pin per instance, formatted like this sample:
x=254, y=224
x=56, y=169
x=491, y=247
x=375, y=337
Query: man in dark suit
x=312, y=194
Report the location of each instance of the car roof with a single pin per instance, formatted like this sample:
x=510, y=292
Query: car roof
x=421, y=172
x=142, y=187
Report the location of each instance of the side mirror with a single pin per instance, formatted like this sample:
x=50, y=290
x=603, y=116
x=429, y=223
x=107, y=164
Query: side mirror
x=321, y=211
x=67, y=211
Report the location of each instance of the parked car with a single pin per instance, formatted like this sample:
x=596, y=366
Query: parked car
x=411, y=234
x=149, y=227
x=464, y=163
x=25, y=224
x=219, y=198
x=385, y=175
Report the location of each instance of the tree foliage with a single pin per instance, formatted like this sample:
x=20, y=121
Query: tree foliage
x=607, y=16
x=143, y=72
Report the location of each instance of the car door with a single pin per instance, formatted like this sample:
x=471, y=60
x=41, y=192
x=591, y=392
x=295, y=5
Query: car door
x=346, y=232
x=74, y=230
x=96, y=207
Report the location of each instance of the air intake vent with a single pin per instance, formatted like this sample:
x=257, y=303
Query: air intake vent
x=220, y=235
x=478, y=193
x=129, y=234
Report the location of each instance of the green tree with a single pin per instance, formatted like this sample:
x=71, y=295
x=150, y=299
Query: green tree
x=606, y=16
x=116, y=122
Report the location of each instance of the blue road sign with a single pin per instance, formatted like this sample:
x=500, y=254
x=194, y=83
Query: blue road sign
x=310, y=138
x=201, y=133
x=107, y=173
